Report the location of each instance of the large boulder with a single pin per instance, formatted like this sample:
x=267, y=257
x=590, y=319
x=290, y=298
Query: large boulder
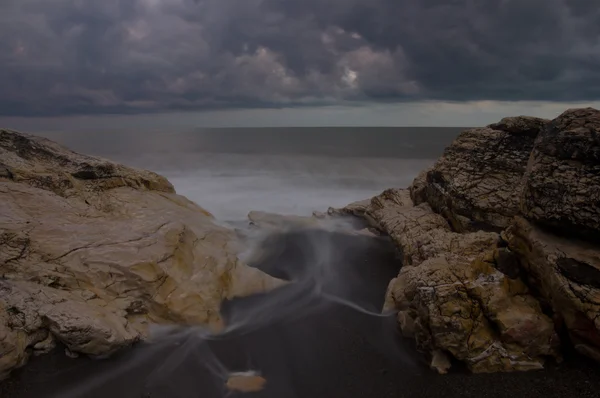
x=558, y=238
x=562, y=182
x=473, y=312
x=476, y=184
x=92, y=253
x=459, y=291
x=452, y=296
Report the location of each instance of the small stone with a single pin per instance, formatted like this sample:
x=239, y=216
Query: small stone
x=440, y=362
x=71, y=354
x=246, y=382
x=319, y=215
x=45, y=346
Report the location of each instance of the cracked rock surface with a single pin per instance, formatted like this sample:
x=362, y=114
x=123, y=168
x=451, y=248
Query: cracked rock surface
x=500, y=243
x=92, y=252
x=557, y=238
x=451, y=297
x=567, y=274
x=562, y=183
x=477, y=182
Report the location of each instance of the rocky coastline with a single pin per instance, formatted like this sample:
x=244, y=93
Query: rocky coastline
x=499, y=243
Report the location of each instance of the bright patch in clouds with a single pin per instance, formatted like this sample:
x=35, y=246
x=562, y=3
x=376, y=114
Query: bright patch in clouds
x=350, y=78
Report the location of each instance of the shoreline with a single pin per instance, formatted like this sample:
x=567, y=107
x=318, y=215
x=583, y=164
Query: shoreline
x=332, y=351
x=483, y=286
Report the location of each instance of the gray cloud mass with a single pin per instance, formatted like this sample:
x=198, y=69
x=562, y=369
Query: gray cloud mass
x=60, y=57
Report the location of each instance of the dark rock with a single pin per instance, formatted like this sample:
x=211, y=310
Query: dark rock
x=565, y=273
x=476, y=184
x=507, y=262
x=562, y=183
x=89, y=172
x=580, y=272
x=5, y=172
x=524, y=125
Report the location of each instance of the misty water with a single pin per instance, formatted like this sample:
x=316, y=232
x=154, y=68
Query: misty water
x=230, y=172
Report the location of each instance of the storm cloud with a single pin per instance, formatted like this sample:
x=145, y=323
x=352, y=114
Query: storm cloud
x=61, y=57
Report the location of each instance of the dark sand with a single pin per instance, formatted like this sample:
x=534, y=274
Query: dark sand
x=318, y=350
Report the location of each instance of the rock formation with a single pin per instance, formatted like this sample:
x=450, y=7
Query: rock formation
x=476, y=184
x=566, y=274
x=92, y=252
x=558, y=237
x=451, y=297
x=500, y=242
x=562, y=182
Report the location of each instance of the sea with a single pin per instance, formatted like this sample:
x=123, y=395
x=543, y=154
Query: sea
x=232, y=171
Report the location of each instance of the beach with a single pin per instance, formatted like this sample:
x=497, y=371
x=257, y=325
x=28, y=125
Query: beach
x=316, y=349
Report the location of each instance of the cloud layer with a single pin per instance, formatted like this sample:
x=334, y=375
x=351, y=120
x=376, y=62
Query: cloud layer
x=61, y=57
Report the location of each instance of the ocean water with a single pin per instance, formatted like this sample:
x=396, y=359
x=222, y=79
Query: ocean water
x=231, y=172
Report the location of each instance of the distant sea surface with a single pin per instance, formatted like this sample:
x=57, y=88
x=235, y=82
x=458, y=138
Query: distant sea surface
x=230, y=172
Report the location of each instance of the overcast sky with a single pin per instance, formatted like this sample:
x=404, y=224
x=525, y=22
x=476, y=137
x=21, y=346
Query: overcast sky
x=294, y=62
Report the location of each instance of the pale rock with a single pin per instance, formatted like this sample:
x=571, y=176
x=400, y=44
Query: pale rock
x=319, y=215
x=271, y=222
x=266, y=220
x=246, y=382
x=353, y=209
x=440, y=362
x=407, y=322
x=92, y=253
x=475, y=313
x=45, y=346
x=13, y=344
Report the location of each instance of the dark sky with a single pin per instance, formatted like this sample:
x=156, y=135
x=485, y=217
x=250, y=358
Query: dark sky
x=78, y=57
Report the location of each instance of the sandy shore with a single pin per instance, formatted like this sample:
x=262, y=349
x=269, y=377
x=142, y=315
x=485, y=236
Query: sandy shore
x=328, y=350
